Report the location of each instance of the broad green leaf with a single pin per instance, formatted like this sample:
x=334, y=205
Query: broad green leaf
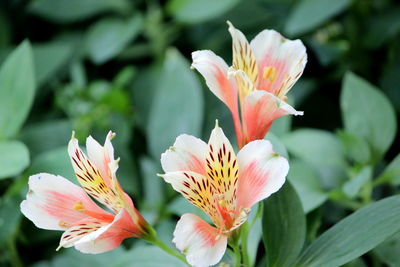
x=55, y=161
x=17, y=89
x=356, y=148
x=315, y=146
x=306, y=181
x=48, y=59
x=177, y=107
x=14, y=158
x=368, y=114
x=388, y=251
x=67, y=11
x=278, y=146
x=354, y=235
x=309, y=14
x=10, y=216
x=392, y=171
x=46, y=135
x=352, y=187
x=180, y=206
x=284, y=226
x=153, y=185
x=196, y=11
x=382, y=27
x=109, y=36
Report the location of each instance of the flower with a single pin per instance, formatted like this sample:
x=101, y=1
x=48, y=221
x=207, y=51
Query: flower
x=55, y=203
x=224, y=186
x=262, y=73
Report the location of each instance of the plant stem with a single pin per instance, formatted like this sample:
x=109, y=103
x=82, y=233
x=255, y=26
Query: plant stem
x=245, y=229
x=153, y=239
x=238, y=256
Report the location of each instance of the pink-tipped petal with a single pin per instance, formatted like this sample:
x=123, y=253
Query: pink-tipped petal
x=202, y=243
x=260, y=109
x=215, y=71
x=280, y=61
x=110, y=236
x=262, y=172
x=187, y=154
x=54, y=203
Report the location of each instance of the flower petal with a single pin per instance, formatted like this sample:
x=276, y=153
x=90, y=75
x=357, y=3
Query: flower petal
x=202, y=243
x=215, y=71
x=109, y=237
x=197, y=189
x=280, y=61
x=102, y=156
x=260, y=109
x=243, y=56
x=54, y=203
x=90, y=178
x=222, y=168
x=187, y=154
x=262, y=172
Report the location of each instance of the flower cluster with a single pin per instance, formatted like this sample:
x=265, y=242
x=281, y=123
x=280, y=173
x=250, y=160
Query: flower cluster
x=211, y=176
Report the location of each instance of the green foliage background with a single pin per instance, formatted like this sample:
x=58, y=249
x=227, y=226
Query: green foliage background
x=96, y=65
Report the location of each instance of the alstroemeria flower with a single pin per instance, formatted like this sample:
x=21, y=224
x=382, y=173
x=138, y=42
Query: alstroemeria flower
x=223, y=185
x=54, y=203
x=262, y=73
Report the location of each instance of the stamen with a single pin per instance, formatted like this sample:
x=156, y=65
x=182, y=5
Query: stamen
x=63, y=224
x=269, y=73
x=79, y=206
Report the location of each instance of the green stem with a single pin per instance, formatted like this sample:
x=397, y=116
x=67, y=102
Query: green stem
x=238, y=256
x=245, y=229
x=153, y=239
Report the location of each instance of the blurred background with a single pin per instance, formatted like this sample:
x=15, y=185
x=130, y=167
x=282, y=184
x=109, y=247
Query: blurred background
x=124, y=65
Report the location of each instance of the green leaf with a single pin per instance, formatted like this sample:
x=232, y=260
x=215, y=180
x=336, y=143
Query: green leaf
x=309, y=14
x=354, y=235
x=10, y=216
x=17, y=89
x=307, y=183
x=14, y=158
x=368, y=114
x=356, y=148
x=67, y=11
x=46, y=135
x=177, y=107
x=315, y=146
x=109, y=36
x=392, y=172
x=55, y=161
x=153, y=185
x=278, y=146
x=196, y=11
x=48, y=59
x=284, y=226
x=352, y=187
x=388, y=251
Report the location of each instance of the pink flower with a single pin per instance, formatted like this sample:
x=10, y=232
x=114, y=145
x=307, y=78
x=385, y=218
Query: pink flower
x=262, y=73
x=223, y=185
x=54, y=203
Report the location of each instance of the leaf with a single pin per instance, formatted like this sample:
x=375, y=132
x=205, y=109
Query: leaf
x=356, y=148
x=352, y=187
x=309, y=14
x=315, y=146
x=46, y=135
x=307, y=183
x=55, y=161
x=382, y=27
x=388, y=251
x=354, y=235
x=10, y=216
x=153, y=185
x=278, y=146
x=67, y=11
x=14, y=158
x=284, y=226
x=177, y=107
x=109, y=36
x=17, y=89
x=392, y=172
x=196, y=11
x=48, y=59
x=368, y=114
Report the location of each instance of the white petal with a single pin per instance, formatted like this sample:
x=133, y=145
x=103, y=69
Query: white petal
x=262, y=172
x=51, y=200
x=202, y=243
x=187, y=154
